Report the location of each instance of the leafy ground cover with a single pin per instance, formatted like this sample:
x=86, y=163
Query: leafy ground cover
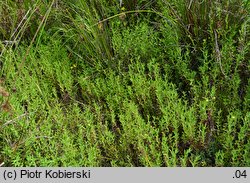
x=142, y=83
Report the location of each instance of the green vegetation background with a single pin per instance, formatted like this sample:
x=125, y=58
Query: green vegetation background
x=148, y=83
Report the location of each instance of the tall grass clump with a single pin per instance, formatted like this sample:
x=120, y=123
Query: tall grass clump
x=84, y=36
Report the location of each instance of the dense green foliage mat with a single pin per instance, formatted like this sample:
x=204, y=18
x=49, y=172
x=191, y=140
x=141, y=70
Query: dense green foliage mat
x=131, y=83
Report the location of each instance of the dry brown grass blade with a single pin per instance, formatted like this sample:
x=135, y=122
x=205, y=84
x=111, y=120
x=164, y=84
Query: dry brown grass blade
x=218, y=53
x=14, y=120
x=3, y=92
